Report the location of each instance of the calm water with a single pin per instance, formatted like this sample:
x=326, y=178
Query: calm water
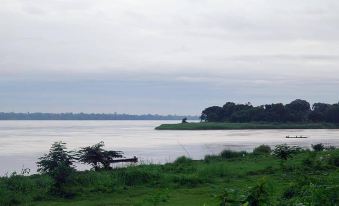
x=22, y=142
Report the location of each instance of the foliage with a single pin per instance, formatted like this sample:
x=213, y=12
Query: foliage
x=57, y=157
x=188, y=182
x=262, y=149
x=333, y=159
x=59, y=164
x=240, y=126
x=97, y=156
x=259, y=194
x=229, y=154
x=296, y=111
x=318, y=147
x=284, y=151
x=182, y=160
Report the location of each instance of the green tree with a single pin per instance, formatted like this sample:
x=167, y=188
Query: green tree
x=59, y=164
x=57, y=156
x=97, y=156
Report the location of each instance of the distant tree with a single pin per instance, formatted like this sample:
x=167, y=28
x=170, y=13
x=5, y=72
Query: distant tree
x=213, y=114
x=318, y=113
x=97, y=156
x=299, y=105
x=275, y=112
x=332, y=114
x=298, y=110
x=229, y=108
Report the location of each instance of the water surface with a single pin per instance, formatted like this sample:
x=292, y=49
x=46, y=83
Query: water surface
x=22, y=142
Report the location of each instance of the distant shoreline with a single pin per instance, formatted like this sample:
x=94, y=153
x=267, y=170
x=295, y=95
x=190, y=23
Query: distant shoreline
x=89, y=116
x=243, y=126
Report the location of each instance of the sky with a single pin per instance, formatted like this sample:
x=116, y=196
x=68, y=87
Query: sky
x=165, y=56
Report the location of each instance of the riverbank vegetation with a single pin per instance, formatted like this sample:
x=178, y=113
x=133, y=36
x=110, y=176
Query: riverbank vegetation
x=296, y=115
x=283, y=175
x=298, y=111
x=239, y=126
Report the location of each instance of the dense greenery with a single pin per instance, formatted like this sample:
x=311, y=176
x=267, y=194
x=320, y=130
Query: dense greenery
x=84, y=116
x=296, y=111
x=251, y=125
x=231, y=178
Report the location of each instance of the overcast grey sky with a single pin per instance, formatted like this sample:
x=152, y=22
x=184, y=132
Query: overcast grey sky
x=159, y=56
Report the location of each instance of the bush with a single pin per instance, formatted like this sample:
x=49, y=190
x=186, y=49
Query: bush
x=259, y=194
x=262, y=149
x=182, y=160
x=334, y=159
x=284, y=151
x=318, y=147
x=228, y=154
x=59, y=164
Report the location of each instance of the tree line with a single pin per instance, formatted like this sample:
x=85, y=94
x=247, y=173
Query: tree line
x=296, y=111
x=86, y=116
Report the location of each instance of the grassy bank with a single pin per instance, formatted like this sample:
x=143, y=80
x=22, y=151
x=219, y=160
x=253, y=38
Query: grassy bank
x=231, y=178
x=238, y=126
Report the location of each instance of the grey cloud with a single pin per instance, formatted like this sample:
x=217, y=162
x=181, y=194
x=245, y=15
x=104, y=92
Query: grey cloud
x=252, y=49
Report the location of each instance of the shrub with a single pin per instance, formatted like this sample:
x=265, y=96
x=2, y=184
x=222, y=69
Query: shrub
x=183, y=160
x=334, y=159
x=259, y=194
x=318, y=147
x=284, y=151
x=98, y=157
x=228, y=154
x=262, y=149
x=59, y=164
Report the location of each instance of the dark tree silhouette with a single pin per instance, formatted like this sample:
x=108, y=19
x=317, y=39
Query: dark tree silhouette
x=97, y=156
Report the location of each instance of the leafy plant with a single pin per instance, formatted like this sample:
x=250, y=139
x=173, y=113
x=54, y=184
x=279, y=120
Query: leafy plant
x=229, y=154
x=262, y=149
x=284, y=151
x=59, y=164
x=97, y=156
x=318, y=147
x=259, y=194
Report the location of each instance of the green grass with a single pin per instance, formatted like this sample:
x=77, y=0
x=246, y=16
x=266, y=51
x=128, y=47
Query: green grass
x=239, y=126
x=311, y=178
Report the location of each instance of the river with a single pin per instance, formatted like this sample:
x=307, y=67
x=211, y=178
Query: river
x=22, y=142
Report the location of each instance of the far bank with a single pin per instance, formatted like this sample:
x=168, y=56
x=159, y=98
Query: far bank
x=241, y=126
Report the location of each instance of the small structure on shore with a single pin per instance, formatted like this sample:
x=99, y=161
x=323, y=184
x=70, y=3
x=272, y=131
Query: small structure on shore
x=184, y=120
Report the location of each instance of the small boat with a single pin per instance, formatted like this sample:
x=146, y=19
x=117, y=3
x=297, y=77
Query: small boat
x=296, y=137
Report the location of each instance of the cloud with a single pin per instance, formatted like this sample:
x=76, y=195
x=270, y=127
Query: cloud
x=256, y=47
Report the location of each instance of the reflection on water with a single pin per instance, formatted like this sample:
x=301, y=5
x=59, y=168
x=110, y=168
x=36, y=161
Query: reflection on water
x=21, y=142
